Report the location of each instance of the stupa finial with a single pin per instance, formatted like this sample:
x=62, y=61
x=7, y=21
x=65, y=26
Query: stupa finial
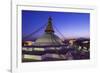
x=49, y=27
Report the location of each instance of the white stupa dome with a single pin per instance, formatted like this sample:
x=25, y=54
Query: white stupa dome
x=48, y=39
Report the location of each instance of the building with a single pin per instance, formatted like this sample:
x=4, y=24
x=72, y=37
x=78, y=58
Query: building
x=48, y=47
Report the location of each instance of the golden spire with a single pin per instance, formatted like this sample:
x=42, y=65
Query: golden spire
x=49, y=28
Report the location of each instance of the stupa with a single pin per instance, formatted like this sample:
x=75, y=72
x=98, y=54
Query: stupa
x=48, y=38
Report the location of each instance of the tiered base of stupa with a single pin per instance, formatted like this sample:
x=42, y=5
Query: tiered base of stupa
x=45, y=54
